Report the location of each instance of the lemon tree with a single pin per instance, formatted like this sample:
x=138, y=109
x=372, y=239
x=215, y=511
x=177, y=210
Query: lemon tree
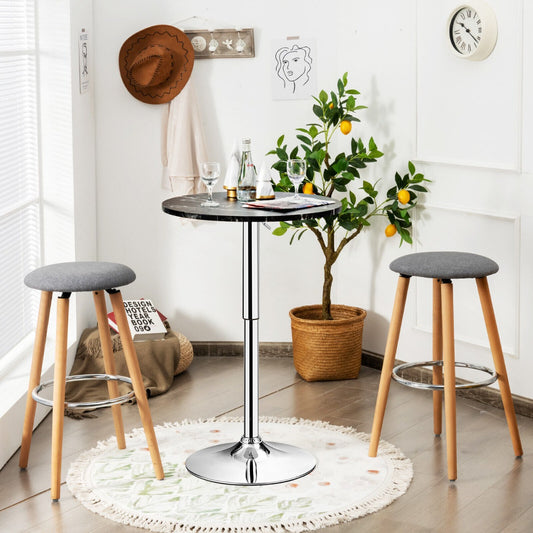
x=340, y=176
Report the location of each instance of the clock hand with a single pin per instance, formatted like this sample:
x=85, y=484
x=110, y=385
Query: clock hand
x=469, y=32
x=475, y=40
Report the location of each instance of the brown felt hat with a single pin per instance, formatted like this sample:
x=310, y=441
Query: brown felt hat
x=156, y=63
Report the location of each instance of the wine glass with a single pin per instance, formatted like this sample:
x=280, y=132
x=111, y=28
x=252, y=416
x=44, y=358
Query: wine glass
x=210, y=173
x=296, y=172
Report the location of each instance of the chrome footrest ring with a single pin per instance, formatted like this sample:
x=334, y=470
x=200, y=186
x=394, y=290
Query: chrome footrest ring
x=430, y=386
x=85, y=405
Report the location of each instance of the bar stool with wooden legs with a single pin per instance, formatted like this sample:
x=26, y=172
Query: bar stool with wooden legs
x=98, y=278
x=442, y=267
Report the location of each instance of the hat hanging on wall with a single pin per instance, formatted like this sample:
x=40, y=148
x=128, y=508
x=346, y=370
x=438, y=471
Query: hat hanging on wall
x=156, y=63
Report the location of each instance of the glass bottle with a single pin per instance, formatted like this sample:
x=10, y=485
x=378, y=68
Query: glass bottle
x=246, y=187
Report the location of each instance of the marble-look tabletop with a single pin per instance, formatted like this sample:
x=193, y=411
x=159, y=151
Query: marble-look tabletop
x=233, y=211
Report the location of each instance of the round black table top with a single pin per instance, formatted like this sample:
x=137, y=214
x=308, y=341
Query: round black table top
x=233, y=211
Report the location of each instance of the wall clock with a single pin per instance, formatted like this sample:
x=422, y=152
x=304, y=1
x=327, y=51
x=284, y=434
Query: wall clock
x=473, y=30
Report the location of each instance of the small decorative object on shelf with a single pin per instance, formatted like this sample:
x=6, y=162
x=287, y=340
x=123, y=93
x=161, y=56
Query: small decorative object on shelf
x=246, y=188
x=213, y=44
x=145, y=321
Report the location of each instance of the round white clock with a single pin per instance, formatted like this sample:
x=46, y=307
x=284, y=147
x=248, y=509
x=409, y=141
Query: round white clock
x=473, y=30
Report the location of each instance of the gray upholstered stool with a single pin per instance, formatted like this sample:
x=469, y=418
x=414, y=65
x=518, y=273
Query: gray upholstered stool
x=98, y=278
x=442, y=267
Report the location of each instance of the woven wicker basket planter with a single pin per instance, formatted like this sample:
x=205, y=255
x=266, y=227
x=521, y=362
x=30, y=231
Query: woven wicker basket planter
x=327, y=349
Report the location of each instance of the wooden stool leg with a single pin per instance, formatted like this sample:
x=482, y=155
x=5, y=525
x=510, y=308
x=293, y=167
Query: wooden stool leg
x=499, y=362
x=388, y=363
x=109, y=364
x=437, y=356
x=136, y=378
x=60, y=373
x=448, y=343
x=35, y=375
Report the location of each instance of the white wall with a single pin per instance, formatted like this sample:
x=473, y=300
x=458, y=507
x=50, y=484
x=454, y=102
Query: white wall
x=419, y=94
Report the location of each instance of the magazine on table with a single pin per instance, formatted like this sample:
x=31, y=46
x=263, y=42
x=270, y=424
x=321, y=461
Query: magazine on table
x=285, y=204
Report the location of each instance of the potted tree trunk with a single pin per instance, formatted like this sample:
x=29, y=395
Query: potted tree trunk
x=327, y=338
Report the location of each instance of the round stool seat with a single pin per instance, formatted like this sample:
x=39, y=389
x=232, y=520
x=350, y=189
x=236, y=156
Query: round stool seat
x=444, y=265
x=80, y=276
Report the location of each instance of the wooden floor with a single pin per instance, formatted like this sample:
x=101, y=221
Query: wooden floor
x=493, y=493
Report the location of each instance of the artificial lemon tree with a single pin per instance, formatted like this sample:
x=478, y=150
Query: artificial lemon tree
x=340, y=175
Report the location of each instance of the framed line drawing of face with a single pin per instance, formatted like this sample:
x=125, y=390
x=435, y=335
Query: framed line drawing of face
x=293, y=75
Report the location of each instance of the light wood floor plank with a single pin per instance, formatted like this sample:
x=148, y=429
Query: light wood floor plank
x=494, y=491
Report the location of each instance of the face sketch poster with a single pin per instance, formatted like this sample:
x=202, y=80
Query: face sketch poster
x=293, y=69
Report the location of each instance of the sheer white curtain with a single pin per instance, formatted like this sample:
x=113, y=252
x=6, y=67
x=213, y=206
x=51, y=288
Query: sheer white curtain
x=20, y=239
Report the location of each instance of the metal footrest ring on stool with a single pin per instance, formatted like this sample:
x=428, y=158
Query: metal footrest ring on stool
x=85, y=405
x=430, y=386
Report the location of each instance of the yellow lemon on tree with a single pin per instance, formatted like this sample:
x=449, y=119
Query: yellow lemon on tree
x=404, y=196
x=346, y=127
x=390, y=230
x=307, y=188
x=331, y=106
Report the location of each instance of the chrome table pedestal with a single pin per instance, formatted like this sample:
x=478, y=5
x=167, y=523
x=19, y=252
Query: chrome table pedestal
x=251, y=461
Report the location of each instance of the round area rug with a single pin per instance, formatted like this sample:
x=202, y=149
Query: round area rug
x=346, y=484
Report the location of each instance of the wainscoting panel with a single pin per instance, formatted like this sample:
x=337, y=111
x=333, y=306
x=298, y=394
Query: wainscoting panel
x=496, y=236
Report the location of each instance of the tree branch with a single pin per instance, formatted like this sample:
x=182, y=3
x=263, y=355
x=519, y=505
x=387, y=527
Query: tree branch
x=346, y=240
x=319, y=237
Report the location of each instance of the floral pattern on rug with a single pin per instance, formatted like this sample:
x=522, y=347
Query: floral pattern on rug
x=346, y=484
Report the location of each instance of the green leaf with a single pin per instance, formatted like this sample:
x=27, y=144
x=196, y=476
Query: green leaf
x=398, y=180
x=313, y=131
x=352, y=198
x=323, y=96
x=304, y=139
x=372, y=145
x=279, y=231
x=282, y=154
x=294, y=153
x=312, y=223
x=412, y=169
x=280, y=141
x=345, y=79
x=418, y=188
x=317, y=110
x=352, y=91
x=350, y=103
x=340, y=87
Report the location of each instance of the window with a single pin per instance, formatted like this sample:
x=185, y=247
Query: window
x=20, y=239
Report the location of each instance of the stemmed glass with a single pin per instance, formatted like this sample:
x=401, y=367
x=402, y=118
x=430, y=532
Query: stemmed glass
x=296, y=172
x=209, y=174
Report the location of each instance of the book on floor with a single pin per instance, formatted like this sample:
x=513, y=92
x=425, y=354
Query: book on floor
x=145, y=321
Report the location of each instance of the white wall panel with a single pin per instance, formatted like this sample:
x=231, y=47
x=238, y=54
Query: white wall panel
x=489, y=234
x=469, y=112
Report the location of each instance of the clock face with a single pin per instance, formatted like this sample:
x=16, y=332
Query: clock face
x=466, y=31
x=473, y=30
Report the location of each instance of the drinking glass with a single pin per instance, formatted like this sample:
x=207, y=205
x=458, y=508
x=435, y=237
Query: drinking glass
x=209, y=174
x=296, y=172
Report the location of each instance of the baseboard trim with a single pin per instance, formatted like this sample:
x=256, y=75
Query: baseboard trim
x=488, y=396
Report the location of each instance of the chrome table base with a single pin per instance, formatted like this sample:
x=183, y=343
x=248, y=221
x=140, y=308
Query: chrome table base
x=256, y=463
x=251, y=461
